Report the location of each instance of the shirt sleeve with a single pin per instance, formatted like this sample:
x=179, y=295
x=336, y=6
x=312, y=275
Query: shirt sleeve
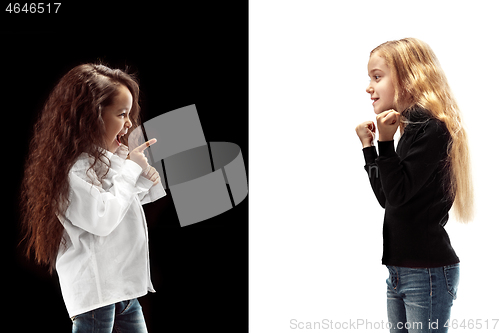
x=370, y=154
x=153, y=193
x=400, y=178
x=97, y=211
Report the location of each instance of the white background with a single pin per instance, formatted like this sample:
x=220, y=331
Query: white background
x=315, y=225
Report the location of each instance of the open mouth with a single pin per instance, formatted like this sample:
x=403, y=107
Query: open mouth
x=118, y=139
x=374, y=100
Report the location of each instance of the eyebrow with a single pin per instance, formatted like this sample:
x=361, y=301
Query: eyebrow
x=375, y=69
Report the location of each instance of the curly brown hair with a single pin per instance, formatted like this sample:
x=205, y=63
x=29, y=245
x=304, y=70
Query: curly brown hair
x=70, y=124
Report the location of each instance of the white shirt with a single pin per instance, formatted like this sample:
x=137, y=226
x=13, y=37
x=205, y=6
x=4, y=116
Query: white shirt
x=105, y=259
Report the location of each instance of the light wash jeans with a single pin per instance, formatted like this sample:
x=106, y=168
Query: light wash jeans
x=122, y=317
x=419, y=300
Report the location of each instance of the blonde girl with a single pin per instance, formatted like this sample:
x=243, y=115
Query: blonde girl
x=418, y=182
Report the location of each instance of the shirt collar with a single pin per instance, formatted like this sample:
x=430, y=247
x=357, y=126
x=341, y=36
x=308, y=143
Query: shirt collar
x=416, y=114
x=118, y=158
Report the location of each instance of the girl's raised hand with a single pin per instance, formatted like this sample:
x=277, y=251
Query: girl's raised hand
x=366, y=133
x=388, y=123
x=137, y=155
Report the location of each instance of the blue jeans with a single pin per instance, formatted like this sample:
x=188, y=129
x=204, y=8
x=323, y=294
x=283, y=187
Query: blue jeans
x=121, y=317
x=419, y=299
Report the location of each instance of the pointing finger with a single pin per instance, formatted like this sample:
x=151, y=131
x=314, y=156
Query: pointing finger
x=145, y=145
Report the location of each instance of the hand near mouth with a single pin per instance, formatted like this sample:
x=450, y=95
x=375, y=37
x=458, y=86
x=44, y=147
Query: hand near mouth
x=388, y=123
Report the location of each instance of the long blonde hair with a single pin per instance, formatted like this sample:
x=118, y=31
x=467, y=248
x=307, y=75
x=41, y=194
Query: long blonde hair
x=420, y=81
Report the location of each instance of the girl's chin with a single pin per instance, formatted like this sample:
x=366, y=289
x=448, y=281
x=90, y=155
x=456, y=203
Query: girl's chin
x=380, y=110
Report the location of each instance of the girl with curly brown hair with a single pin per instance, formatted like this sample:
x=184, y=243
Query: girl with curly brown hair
x=82, y=194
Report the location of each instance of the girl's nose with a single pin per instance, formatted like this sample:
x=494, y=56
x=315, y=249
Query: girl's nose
x=369, y=89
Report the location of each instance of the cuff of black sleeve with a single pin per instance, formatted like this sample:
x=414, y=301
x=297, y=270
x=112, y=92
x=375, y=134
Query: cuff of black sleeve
x=386, y=148
x=370, y=154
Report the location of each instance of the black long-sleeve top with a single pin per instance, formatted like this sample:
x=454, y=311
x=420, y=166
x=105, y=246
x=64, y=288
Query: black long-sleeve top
x=411, y=184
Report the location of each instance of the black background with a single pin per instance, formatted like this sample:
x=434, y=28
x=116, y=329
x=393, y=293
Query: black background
x=194, y=53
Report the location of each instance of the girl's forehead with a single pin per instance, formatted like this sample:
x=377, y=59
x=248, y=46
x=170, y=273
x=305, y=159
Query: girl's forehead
x=377, y=62
x=123, y=96
x=122, y=100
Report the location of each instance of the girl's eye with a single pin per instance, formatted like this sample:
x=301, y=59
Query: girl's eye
x=376, y=77
x=122, y=115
